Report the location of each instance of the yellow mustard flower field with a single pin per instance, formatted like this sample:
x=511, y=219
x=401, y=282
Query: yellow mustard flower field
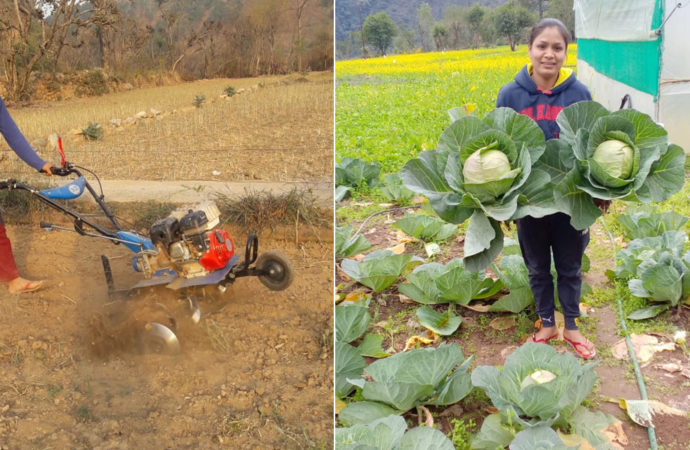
x=391, y=108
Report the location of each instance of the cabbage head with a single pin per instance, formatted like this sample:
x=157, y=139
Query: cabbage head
x=610, y=155
x=615, y=158
x=488, y=173
x=483, y=170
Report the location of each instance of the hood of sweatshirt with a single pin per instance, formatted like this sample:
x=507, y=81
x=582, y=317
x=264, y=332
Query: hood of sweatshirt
x=565, y=79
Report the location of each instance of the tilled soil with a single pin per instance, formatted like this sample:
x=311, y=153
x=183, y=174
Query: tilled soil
x=256, y=372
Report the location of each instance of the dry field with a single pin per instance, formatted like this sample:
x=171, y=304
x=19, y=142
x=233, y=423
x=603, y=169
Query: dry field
x=256, y=372
x=278, y=128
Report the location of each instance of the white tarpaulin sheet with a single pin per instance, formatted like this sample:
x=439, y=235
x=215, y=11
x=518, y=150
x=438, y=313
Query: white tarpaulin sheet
x=674, y=86
x=614, y=20
x=674, y=112
x=610, y=92
x=675, y=62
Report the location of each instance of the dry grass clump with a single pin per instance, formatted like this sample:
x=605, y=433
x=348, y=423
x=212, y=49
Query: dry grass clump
x=142, y=214
x=20, y=207
x=252, y=211
x=258, y=210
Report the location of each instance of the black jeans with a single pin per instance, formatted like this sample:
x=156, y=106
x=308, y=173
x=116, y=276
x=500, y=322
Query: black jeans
x=538, y=238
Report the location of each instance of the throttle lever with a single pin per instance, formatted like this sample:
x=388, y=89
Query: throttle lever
x=60, y=171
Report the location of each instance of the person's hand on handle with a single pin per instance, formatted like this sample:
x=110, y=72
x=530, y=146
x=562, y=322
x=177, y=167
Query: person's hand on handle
x=46, y=169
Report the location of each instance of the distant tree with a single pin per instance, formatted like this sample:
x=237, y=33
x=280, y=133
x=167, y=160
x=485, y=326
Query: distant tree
x=563, y=10
x=378, y=30
x=404, y=41
x=475, y=16
x=351, y=46
x=440, y=34
x=488, y=30
x=538, y=6
x=360, y=4
x=454, y=18
x=511, y=21
x=425, y=24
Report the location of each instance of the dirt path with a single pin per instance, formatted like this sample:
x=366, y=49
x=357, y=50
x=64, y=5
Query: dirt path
x=197, y=191
x=256, y=372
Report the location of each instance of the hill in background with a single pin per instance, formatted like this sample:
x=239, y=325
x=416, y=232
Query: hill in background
x=350, y=14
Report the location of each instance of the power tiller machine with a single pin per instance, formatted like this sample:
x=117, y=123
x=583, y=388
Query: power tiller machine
x=182, y=252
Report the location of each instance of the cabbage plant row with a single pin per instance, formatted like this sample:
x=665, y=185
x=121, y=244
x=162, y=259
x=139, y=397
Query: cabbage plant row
x=500, y=168
x=536, y=391
x=654, y=264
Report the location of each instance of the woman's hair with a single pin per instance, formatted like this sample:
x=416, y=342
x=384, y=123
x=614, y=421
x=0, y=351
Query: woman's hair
x=549, y=23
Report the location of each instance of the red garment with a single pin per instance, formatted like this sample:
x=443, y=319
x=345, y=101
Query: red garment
x=8, y=269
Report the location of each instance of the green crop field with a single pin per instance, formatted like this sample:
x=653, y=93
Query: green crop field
x=390, y=109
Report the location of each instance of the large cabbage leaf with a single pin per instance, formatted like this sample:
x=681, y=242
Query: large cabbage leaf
x=421, y=284
x=647, y=222
x=348, y=364
x=394, y=190
x=513, y=275
x=389, y=433
x=346, y=245
x=494, y=434
x=379, y=269
x=518, y=191
x=364, y=412
x=351, y=321
x=353, y=172
x=426, y=228
x=435, y=283
x=540, y=437
x=417, y=377
x=440, y=323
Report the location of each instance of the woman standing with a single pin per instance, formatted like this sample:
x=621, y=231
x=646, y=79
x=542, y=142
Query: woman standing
x=541, y=90
x=8, y=269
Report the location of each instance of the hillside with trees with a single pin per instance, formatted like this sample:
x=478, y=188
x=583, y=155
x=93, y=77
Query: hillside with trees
x=436, y=25
x=350, y=14
x=131, y=39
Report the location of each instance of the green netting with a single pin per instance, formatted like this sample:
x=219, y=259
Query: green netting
x=633, y=63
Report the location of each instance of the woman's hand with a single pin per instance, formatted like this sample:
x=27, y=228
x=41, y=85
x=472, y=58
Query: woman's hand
x=46, y=169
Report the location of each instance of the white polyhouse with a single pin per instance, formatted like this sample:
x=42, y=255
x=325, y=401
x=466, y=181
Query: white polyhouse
x=639, y=48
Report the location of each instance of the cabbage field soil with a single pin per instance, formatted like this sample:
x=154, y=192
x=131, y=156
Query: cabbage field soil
x=256, y=372
x=490, y=342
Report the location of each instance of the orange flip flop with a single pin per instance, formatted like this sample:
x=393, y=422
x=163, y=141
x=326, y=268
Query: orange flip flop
x=30, y=286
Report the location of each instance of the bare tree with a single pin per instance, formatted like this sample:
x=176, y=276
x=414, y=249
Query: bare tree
x=33, y=30
x=128, y=38
x=106, y=20
x=265, y=19
x=300, y=5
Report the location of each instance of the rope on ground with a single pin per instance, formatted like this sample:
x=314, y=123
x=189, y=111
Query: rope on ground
x=382, y=212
